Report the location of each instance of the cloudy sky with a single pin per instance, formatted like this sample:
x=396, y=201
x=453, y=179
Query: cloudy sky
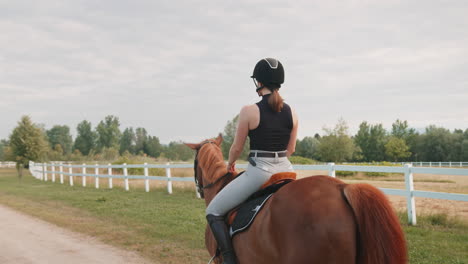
x=181, y=68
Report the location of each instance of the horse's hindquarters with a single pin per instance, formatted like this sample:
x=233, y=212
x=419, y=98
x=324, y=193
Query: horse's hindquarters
x=307, y=221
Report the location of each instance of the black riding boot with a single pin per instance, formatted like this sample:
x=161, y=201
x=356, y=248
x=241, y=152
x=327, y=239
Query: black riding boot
x=221, y=234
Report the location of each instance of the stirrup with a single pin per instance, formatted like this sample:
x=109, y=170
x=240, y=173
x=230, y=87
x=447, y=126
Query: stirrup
x=211, y=260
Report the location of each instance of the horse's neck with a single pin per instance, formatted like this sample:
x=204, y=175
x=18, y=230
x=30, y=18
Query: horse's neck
x=218, y=169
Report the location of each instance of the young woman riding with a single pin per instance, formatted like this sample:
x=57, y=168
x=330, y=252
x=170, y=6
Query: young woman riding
x=271, y=126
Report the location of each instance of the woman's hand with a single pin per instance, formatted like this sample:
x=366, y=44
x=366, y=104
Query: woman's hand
x=231, y=167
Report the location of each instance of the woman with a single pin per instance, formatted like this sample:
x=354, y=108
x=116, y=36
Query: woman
x=271, y=126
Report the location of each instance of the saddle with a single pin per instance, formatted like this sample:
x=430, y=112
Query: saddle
x=241, y=217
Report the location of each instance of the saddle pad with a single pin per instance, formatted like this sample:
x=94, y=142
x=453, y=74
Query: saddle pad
x=246, y=214
x=247, y=211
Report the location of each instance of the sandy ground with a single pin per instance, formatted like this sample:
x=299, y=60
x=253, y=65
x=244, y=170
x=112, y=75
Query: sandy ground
x=26, y=240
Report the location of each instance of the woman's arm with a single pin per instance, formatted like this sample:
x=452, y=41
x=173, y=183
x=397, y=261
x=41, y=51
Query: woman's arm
x=240, y=137
x=292, y=140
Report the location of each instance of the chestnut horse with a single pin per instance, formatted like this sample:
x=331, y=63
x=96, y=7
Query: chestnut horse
x=316, y=219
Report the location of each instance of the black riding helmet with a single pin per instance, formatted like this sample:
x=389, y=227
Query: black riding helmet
x=269, y=72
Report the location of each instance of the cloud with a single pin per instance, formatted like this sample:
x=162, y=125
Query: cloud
x=181, y=69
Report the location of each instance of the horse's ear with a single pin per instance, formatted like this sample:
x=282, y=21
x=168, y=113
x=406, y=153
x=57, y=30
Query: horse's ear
x=192, y=146
x=219, y=139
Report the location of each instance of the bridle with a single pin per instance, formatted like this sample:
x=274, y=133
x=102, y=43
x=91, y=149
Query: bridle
x=199, y=182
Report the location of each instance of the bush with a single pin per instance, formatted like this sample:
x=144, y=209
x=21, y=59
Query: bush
x=378, y=174
x=301, y=160
x=345, y=173
x=138, y=171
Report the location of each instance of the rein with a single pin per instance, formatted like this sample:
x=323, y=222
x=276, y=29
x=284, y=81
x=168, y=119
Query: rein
x=227, y=175
x=200, y=186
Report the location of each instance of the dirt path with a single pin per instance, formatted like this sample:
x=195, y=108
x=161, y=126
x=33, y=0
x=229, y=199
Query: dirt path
x=26, y=240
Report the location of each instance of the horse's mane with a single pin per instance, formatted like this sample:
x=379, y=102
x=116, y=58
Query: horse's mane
x=211, y=161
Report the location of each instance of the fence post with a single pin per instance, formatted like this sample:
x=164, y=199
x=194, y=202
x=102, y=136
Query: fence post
x=430, y=163
x=70, y=171
x=61, y=173
x=196, y=191
x=44, y=175
x=109, y=171
x=31, y=167
x=409, y=195
x=83, y=178
x=96, y=172
x=53, y=172
x=126, y=176
x=331, y=170
x=145, y=169
x=169, y=182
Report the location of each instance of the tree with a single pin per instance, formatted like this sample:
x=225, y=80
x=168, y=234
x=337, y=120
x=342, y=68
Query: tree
x=336, y=145
x=152, y=147
x=307, y=147
x=464, y=151
x=228, y=138
x=371, y=140
x=400, y=129
x=396, y=149
x=435, y=144
x=3, y=146
x=127, y=142
x=141, y=138
x=464, y=147
x=455, y=145
x=108, y=133
x=28, y=143
x=178, y=151
x=86, y=138
x=377, y=140
x=60, y=135
x=361, y=139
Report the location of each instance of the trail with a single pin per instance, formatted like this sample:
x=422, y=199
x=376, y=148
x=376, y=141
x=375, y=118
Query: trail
x=27, y=240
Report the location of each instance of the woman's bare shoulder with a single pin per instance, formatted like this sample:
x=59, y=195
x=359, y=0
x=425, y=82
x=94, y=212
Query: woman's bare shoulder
x=248, y=109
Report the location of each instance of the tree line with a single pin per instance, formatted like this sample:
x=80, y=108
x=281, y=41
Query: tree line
x=30, y=141
x=106, y=141
x=373, y=143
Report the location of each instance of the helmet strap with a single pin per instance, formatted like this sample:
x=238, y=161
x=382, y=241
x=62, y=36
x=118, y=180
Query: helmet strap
x=258, y=87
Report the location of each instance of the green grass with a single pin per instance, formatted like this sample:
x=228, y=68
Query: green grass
x=170, y=228
x=437, y=238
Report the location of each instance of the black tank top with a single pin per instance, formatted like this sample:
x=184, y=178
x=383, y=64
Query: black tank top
x=274, y=130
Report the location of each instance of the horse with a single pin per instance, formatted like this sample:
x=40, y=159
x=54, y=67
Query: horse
x=317, y=219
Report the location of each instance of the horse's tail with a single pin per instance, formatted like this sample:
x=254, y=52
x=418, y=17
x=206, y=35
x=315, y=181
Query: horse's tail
x=380, y=238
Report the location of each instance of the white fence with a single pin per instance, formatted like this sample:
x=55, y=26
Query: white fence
x=450, y=164
x=42, y=171
x=7, y=164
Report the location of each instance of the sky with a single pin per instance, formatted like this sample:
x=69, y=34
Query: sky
x=181, y=69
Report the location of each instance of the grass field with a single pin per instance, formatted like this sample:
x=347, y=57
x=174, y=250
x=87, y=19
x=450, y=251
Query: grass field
x=170, y=228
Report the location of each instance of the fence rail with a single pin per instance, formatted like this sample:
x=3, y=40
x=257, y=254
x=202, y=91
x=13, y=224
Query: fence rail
x=459, y=164
x=7, y=164
x=455, y=164
x=42, y=171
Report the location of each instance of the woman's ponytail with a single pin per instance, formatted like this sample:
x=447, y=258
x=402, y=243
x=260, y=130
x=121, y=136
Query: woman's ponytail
x=275, y=101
